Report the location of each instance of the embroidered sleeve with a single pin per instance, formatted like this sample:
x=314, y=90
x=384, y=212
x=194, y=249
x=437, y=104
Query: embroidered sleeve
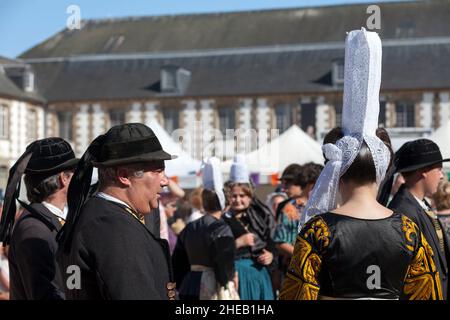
x=422, y=281
x=302, y=278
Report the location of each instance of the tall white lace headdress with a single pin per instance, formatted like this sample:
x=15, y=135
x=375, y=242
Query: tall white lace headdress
x=361, y=107
x=239, y=171
x=213, y=179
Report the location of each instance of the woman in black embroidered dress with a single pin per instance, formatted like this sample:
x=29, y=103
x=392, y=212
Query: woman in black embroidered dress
x=361, y=250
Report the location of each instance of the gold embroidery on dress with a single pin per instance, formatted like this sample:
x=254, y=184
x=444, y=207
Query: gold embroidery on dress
x=409, y=228
x=319, y=230
x=422, y=281
x=301, y=281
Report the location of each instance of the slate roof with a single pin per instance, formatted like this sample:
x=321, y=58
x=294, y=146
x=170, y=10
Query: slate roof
x=8, y=89
x=242, y=53
x=301, y=71
x=399, y=20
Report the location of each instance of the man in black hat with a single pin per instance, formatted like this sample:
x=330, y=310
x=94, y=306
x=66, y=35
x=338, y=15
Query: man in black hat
x=106, y=251
x=48, y=165
x=420, y=163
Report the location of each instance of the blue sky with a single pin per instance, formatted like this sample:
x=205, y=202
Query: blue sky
x=25, y=23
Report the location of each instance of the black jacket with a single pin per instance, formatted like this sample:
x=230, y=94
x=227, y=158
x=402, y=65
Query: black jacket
x=153, y=222
x=208, y=242
x=404, y=202
x=119, y=258
x=34, y=273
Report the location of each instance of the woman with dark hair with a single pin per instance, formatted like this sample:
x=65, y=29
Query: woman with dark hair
x=252, y=225
x=389, y=263
x=203, y=259
x=360, y=249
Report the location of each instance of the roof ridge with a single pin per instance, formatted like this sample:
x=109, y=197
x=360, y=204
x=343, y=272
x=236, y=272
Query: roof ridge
x=425, y=41
x=242, y=12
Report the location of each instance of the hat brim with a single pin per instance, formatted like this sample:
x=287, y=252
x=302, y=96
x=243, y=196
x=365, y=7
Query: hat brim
x=147, y=157
x=69, y=164
x=420, y=166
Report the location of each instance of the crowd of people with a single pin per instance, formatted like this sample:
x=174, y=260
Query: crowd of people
x=367, y=224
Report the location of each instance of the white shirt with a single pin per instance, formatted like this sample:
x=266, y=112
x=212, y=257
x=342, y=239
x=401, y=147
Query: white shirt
x=422, y=204
x=111, y=198
x=56, y=211
x=196, y=214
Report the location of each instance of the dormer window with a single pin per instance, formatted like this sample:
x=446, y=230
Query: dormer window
x=22, y=76
x=28, y=80
x=338, y=72
x=174, y=79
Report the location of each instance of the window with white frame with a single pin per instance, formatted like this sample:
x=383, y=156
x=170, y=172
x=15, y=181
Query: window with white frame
x=171, y=119
x=283, y=117
x=227, y=119
x=65, y=125
x=31, y=125
x=28, y=81
x=116, y=117
x=4, y=122
x=405, y=114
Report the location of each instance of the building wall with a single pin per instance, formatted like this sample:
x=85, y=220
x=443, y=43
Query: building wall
x=198, y=115
x=16, y=142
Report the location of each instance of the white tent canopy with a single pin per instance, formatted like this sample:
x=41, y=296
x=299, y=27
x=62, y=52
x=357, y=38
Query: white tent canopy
x=442, y=138
x=293, y=146
x=184, y=165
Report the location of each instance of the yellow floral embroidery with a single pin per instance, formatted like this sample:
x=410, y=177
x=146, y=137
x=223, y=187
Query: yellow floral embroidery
x=410, y=229
x=301, y=281
x=319, y=230
x=302, y=250
x=294, y=289
x=422, y=281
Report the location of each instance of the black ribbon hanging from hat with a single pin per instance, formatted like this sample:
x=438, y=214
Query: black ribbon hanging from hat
x=78, y=192
x=386, y=186
x=12, y=193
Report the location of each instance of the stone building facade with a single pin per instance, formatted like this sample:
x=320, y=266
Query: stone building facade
x=257, y=70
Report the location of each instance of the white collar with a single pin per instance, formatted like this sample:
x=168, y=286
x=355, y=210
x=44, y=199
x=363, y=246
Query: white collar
x=55, y=210
x=422, y=204
x=110, y=198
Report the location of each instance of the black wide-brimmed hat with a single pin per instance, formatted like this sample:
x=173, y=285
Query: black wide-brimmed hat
x=51, y=155
x=123, y=144
x=130, y=143
x=42, y=157
x=418, y=154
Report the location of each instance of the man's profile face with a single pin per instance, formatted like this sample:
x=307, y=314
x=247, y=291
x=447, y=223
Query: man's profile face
x=144, y=191
x=432, y=178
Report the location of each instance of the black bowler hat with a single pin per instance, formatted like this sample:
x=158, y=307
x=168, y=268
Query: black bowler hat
x=51, y=155
x=42, y=157
x=130, y=143
x=418, y=154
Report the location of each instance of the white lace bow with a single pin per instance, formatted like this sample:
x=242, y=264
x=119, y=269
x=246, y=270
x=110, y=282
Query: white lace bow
x=362, y=79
